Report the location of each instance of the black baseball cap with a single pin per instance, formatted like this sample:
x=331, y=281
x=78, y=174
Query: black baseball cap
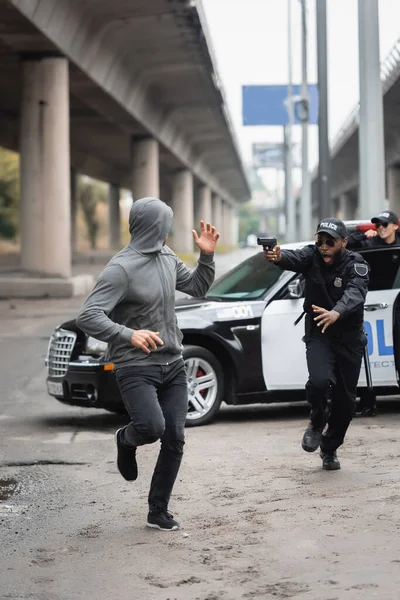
x=386, y=216
x=333, y=227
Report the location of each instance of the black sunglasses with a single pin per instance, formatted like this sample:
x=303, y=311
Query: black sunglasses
x=380, y=224
x=329, y=243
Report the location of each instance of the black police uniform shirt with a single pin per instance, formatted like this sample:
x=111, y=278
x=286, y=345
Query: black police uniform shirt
x=359, y=240
x=342, y=287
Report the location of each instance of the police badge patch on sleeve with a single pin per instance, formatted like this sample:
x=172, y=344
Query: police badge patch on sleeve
x=361, y=269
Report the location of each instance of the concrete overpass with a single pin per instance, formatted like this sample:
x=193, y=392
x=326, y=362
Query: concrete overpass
x=125, y=91
x=345, y=154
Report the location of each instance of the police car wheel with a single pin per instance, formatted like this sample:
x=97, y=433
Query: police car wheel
x=205, y=385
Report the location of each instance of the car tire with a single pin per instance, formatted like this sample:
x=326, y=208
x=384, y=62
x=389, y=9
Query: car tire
x=204, y=403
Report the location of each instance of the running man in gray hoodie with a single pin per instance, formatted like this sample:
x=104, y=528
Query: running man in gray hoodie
x=132, y=307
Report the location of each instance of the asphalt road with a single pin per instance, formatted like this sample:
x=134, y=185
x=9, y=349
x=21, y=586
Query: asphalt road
x=260, y=519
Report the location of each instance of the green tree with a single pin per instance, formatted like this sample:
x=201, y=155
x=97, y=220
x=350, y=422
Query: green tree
x=9, y=194
x=90, y=193
x=249, y=221
x=256, y=183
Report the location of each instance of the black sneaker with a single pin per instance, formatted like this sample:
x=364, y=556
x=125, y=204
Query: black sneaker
x=162, y=519
x=311, y=439
x=126, y=458
x=330, y=461
x=366, y=412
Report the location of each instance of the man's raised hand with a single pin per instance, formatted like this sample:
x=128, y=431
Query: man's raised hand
x=325, y=317
x=144, y=340
x=208, y=238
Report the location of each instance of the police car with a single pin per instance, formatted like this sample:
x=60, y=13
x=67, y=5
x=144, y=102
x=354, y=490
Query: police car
x=240, y=342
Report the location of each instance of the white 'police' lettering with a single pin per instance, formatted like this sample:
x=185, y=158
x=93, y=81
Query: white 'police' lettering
x=329, y=225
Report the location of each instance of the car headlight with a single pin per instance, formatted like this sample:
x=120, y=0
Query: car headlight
x=94, y=346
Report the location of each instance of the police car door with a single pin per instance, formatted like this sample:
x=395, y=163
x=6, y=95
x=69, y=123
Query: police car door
x=379, y=309
x=282, y=347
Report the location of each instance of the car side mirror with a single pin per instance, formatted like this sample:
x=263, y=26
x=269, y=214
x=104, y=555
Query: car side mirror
x=296, y=289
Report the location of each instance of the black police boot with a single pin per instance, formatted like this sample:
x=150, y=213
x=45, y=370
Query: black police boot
x=311, y=439
x=367, y=404
x=368, y=411
x=330, y=461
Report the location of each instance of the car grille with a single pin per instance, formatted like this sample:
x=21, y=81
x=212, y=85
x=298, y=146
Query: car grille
x=59, y=353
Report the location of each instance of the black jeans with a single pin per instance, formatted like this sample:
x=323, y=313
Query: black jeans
x=156, y=399
x=334, y=368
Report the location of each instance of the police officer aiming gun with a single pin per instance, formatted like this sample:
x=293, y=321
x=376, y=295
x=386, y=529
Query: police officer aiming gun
x=336, y=286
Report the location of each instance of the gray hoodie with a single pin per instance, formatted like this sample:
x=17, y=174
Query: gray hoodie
x=136, y=290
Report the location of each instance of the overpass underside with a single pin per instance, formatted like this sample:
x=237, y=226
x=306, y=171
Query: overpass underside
x=345, y=157
x=123, y=91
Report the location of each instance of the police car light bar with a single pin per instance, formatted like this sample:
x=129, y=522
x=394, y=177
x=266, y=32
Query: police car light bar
x=362, y=226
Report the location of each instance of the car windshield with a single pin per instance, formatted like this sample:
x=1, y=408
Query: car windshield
x=250, y=279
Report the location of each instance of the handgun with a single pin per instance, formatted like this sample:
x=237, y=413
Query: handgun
x=267, y=243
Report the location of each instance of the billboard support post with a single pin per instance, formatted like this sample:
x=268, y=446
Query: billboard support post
x=290, y=201
x=305, y=203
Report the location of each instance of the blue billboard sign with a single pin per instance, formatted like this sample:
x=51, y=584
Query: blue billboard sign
x=267, y=104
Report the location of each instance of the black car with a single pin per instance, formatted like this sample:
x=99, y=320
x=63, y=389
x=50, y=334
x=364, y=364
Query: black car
x=239, y=341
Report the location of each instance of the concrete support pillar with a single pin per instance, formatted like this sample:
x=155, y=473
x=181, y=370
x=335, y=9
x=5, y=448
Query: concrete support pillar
x=145, y=168
x=235, y=227
x=217, y=216
x=393, y=187
x=183, y=207
x=204, y=204
x=45, y=167
x=74, y=209
x=114, y=218
x=231, y=227
x=226, y=224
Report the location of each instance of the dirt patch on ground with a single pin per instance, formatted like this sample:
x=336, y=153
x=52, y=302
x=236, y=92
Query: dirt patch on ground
x=8, y=487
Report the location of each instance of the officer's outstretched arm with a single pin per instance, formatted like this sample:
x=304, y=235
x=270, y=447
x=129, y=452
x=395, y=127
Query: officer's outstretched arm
x=355, y=290
x=299, y=261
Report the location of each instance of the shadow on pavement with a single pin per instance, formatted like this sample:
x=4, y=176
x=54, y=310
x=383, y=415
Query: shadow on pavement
x=262, y=412
x=86, y=421
x=104, y=421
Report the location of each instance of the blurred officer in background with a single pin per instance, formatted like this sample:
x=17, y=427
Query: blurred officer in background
x=386, y=234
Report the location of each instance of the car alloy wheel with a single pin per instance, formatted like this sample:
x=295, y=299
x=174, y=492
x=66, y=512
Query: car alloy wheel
x=202, y=387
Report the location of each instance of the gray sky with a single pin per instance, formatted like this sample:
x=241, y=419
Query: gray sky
x=250, y=42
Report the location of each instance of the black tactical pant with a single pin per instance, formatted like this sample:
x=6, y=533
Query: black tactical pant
x=333, y=368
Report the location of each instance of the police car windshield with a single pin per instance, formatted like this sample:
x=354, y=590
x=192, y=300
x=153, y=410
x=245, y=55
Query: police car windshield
x=251, y=279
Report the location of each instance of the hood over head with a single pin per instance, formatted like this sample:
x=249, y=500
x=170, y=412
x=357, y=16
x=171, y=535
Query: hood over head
x=150, y=221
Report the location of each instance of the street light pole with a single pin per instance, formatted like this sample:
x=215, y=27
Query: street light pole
x=371, y=136
x=324, y=166
x=305, y=213
x=289, y=200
